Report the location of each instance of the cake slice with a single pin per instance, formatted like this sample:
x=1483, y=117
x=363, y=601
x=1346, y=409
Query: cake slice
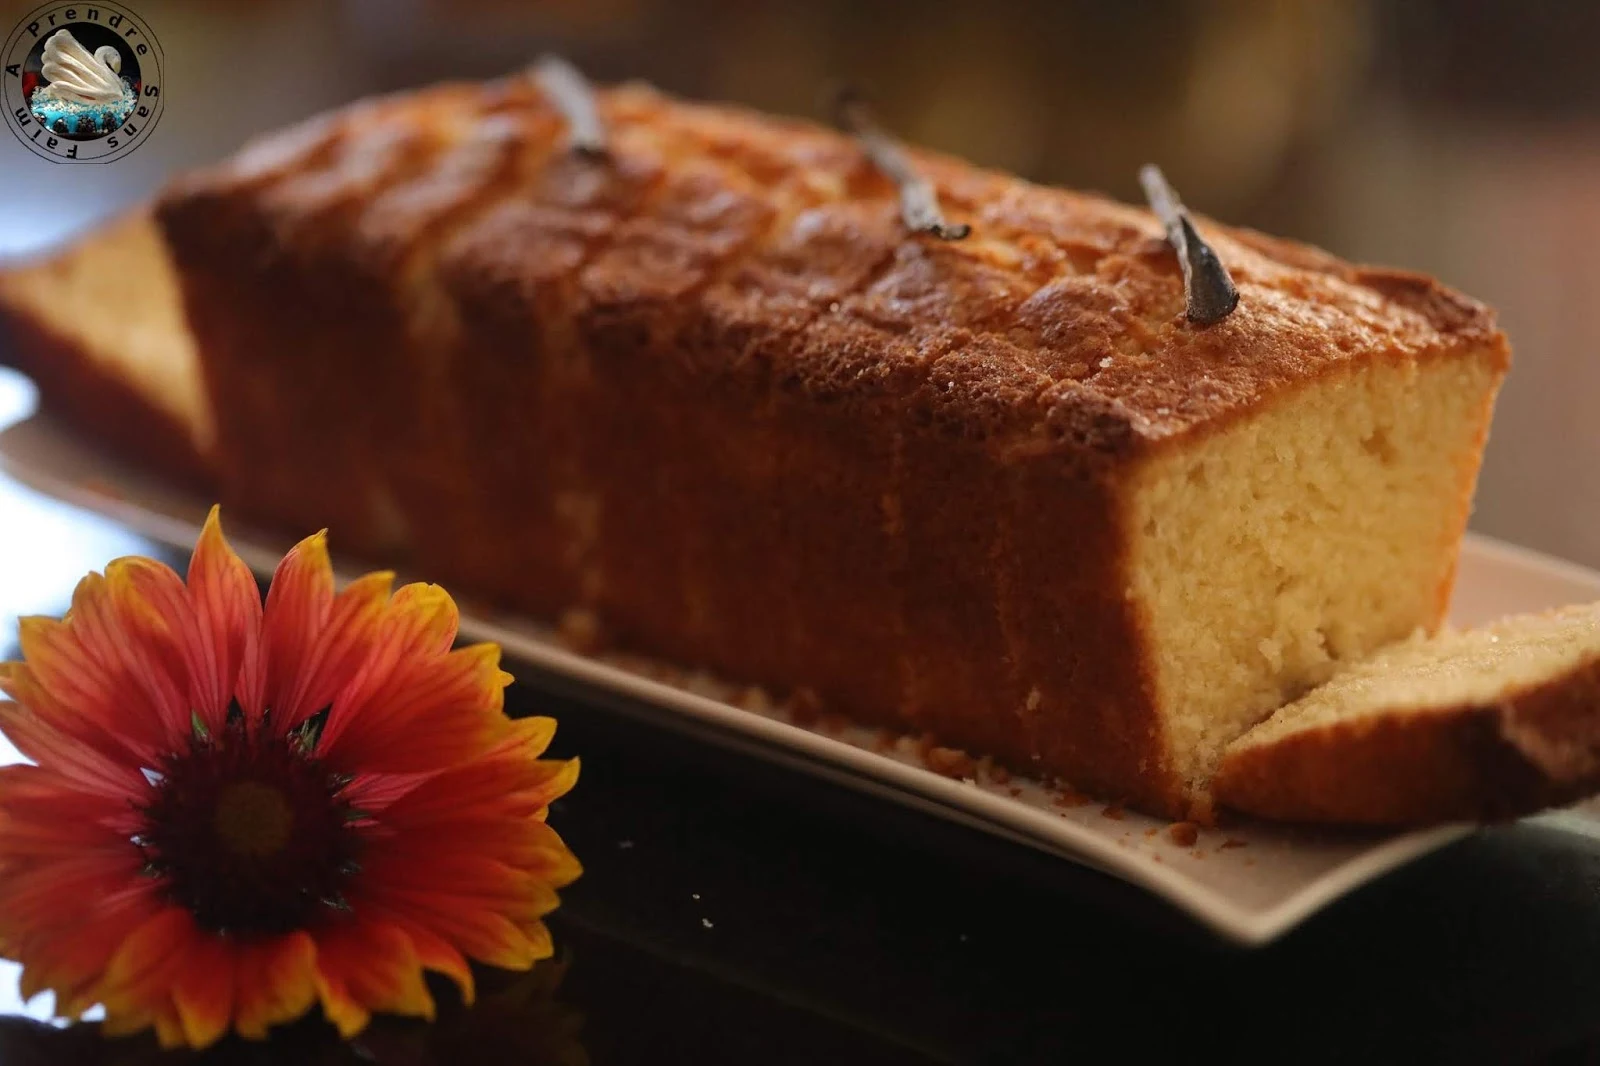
x=708, y=387
x=1485, y=724
x=99, y=327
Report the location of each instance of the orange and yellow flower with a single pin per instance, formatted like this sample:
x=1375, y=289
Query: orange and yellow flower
x=236, y=811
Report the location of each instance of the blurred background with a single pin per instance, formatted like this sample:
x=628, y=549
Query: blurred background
x=1456, y=137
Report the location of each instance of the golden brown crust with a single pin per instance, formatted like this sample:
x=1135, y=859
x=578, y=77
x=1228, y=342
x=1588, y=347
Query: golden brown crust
x=1083, y=289
x=1534, y=749
x=710, y=389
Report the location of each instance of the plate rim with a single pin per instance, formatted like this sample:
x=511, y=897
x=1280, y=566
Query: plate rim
x=835, y=759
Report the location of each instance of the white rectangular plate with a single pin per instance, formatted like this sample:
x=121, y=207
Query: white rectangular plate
x=1249, y=882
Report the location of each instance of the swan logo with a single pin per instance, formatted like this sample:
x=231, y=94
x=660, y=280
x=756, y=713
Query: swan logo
x=82, y=83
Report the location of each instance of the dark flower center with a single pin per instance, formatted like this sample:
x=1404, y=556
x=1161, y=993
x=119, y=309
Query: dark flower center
x=249, y=831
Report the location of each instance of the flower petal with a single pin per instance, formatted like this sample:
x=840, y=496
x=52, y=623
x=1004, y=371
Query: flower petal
x=478, y=784
x=365, y=966
x=478, y=932
x=467, y=882
x=344, y=643
x=44, y=895
x=164, y=647
x=60, y=945
x=160, y=1015
x=135, y=988
x=539, y=940
x=529, y=737
x=62, y=683
x=117, y=672
x=298, y=601
x=84, y=766
x=131, y=639
x=430, y=617
x=174, y=975
x=430, y=713
x=142, y=969
x=507, y=833
x=276, y=982
x=204, y=989
x=375, y=792
x=417, y=629
x=434, y=952
x=227, y=610
x=524, y=843
x=39, y=800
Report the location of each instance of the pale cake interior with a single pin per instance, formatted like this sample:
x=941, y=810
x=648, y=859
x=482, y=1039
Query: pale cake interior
x=1312, y=532
x=1476, y=668
x=115, y=296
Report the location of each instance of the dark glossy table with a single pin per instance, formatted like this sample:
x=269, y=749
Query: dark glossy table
x=736, y=912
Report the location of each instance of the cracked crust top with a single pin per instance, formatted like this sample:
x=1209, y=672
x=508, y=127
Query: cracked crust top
x=1058, y=324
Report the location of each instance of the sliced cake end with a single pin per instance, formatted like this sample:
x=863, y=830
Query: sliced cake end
x=99, y=326
x=1485, y=724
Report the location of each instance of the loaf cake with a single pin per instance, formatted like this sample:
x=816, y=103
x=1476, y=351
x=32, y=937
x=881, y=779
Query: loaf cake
x=708, y=387
x=1481, y=725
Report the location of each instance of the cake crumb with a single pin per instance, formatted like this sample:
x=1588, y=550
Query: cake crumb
x=949, y=762
x=624, y=844
x=1035, y=697
x=703, y=684
x=578, y=630
x=1152, y=831
x=1015, y=791
x=1184, y=834
x=832, y=723
x=706, y=922
x=1067, y=796
x=1197, y=854
x=989, y=770
x=1234, y=842
x=755, y=699
x=1112, y=811
x=804, y=707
